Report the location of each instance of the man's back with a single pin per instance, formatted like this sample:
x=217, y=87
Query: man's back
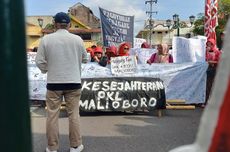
x=63, y=52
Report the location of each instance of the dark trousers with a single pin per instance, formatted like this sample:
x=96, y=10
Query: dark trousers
x=211, y=73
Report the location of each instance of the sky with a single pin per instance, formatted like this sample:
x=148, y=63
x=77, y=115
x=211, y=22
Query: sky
x=165, y=8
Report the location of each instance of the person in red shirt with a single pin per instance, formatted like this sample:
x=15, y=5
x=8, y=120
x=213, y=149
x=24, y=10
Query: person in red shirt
x=212, y=52
x=97, y=54
x=98, y=57
x=212, y=57
x=90, y=51
x=124, y=49
x=111, y=52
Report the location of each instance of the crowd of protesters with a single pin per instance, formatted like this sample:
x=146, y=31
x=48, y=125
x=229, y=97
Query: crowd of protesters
x=103, y=55
x=161, y=55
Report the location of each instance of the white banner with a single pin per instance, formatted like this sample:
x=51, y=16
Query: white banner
x=188, y=50
x=182, y=81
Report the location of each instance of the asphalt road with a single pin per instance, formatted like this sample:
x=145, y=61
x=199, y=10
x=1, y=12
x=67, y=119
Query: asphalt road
x=124, y=132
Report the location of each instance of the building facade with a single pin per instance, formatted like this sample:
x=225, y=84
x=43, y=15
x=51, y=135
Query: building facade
x=83, y=23
x=85, y=15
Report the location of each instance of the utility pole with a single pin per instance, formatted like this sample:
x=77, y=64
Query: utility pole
x=150, y=13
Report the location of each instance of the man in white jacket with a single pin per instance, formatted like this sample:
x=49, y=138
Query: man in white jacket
x=60, y=55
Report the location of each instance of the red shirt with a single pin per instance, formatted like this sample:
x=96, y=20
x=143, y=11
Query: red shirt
x=213, y=55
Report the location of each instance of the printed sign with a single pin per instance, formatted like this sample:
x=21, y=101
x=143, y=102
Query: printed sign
x=116, y=28
x=122, y=94
x=123, y=65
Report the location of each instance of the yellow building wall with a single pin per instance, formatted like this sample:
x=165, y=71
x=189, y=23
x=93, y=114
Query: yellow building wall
x=32, y=42
x=89, y=43
x=34, y=33
x=76, y=25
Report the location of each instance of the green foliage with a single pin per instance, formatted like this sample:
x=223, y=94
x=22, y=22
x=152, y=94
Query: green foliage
x=223, y=15
x=198, y=28
x=224, y=8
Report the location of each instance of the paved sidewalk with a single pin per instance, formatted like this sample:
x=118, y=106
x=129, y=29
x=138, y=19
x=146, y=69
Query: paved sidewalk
x=124, y=132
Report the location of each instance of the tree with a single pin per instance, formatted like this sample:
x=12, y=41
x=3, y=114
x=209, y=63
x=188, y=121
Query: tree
x=223, y=15
x=224, y=8
x=199, y=25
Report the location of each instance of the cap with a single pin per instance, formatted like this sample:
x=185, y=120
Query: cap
x=112, y=49
x=61, y=17
x=98, y=50
x=89, y=49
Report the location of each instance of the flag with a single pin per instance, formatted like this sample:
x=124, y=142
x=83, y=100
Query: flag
x=207, y=19
x=211, y=18
x=116, y=28
x=214, y=18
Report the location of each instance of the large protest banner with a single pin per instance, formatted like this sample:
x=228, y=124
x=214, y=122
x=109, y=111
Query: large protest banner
x=176, y=79
x=116, y=28
x=122, y=93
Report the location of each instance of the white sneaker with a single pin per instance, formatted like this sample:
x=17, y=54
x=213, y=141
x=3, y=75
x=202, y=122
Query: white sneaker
x=47, y=150
x=78, y=149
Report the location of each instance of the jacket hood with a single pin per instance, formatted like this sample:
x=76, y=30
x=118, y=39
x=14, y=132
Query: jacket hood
x=121, y=49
